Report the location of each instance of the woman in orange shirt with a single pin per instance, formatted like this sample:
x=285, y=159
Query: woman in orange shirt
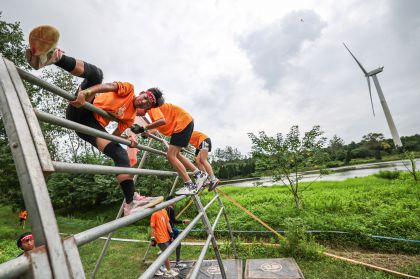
x=202, y=143
x=117, y=98
x=173, y=121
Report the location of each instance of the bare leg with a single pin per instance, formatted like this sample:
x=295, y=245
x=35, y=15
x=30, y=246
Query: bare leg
x=172, y=156
x=187, y=163
x=203, y=155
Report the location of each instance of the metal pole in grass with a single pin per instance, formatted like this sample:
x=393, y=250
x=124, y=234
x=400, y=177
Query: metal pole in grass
x=108, y=240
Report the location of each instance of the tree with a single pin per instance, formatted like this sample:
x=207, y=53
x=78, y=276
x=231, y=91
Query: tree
x=336, y=148
x=285, y=157
x=12, y=47
x=376, y=143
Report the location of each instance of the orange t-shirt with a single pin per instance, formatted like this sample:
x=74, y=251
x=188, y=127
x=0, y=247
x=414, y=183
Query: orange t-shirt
x=197, y=138
x=120, y=104
x=176, y=118
x=159, y=222
x=23, y=214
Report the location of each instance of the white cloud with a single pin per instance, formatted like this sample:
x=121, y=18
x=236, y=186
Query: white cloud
x=246, y=66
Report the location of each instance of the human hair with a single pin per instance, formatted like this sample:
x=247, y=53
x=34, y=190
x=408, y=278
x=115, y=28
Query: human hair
x=158, y=96
x=19, y=241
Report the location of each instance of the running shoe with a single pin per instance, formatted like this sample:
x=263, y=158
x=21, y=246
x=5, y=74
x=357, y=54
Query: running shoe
x=188, y=189
x=213, y=184
x=200, y=178
x=170, y=273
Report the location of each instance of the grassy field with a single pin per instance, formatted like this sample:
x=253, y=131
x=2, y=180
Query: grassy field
x=360, y=206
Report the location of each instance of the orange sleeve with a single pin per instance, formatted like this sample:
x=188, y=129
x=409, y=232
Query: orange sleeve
x=124, y=88
x=155, y=114
x=153, y=220
x=123, y=125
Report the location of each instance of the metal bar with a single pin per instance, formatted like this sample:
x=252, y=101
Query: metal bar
x=62, y=93
x=93, y=233
x=108, y=240
x=31, y=177
x=52, y=119
x=14, y=268
x=173, y=186
x=100, y=169
x=150, y=271
x=38, y=137
x=200, y=259
x=73, y=258
x=207, y=225
x=142, y=160
x=232, y=239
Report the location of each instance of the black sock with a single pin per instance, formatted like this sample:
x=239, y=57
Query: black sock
x=127, y=187
x=66, y=63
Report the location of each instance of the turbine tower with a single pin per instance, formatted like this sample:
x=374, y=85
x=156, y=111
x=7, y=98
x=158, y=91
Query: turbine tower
x=394, y=132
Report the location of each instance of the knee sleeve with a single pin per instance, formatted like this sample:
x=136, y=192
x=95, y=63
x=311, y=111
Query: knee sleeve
x=118, y=154
x=92, y=74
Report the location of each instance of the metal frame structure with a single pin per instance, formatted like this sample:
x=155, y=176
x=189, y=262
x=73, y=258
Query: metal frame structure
x=54, y=257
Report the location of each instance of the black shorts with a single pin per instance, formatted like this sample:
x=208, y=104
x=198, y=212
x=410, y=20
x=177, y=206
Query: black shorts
x=205, y=144
x=93, y=76
x=182, y=138
x=85, y=117
x=163, y=246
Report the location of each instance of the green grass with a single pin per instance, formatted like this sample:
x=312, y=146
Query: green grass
x=370, y=205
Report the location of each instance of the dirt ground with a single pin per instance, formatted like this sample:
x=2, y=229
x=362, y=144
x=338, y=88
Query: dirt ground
x=391, y=261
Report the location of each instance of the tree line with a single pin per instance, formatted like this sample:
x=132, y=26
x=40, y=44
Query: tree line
x=83, y=191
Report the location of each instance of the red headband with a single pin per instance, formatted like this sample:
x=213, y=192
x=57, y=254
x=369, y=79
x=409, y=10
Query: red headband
x=29, y=236
x=151, y=96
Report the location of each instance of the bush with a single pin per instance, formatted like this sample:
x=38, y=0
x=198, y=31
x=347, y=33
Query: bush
x=300, y=244
x=388, y=174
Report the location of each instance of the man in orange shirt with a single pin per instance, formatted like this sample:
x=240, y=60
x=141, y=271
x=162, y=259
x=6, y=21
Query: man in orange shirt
x=162, y=235
x=117, y=98
x=202, y=143
x=22, y=216
x=173, y=121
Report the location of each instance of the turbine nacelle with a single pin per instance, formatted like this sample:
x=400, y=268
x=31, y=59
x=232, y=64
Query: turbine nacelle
x=374, y=72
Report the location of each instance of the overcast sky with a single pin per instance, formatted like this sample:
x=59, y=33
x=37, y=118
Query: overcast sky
x=247, y=66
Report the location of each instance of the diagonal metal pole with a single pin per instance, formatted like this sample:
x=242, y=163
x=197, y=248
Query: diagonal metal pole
x=232, y=239
x=120, y=212
x=173, y=186
x=209, y=230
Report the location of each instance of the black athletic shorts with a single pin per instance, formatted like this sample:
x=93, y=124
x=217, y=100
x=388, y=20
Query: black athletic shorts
x=81, y=115
x=163, y=246
x=182, y=138
x=204, y=144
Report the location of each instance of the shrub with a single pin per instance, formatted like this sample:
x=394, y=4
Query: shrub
x=388, y=174
x=300, y=244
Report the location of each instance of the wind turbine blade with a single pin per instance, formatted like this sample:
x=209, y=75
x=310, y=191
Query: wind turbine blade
x=370, y=95
x=357, y=61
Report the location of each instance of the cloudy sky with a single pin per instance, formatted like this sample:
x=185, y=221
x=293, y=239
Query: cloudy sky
x=247, y=66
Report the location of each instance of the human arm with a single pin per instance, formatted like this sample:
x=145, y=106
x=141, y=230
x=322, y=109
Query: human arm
x=88, y=94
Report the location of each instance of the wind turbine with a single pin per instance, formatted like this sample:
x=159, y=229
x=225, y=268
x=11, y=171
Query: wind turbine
x=394, y=132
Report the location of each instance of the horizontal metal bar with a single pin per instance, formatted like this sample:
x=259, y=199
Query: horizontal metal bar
x=94, y=233
x=100, y=169
x=14, y=268
x=200, y=259
x=168, y=251
x=62, y=93
x=52, y=119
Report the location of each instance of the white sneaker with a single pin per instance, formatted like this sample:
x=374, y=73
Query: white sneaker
x=180, y=265
x=170, y=273
x=213, y=184
x=159, y=272
x=200, y=178
x=188, y=189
